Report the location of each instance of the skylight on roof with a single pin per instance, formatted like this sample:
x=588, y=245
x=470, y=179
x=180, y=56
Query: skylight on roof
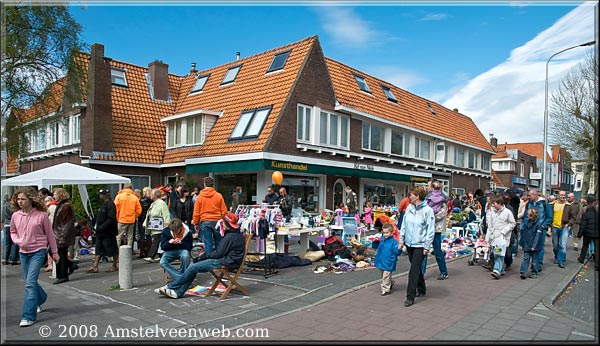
x=389, y=94
x=362, y=84
x=250, y=123
x=199, y=84
x=279, y=61
x=117, y=77
x=430, y=108
x=231, y=74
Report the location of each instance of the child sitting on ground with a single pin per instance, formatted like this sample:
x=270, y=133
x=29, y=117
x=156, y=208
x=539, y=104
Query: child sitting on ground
x=386, y=258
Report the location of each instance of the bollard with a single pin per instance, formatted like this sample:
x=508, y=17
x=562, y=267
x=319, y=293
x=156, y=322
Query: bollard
x=125, y=269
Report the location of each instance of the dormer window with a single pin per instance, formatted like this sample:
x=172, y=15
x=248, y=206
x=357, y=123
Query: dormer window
x=250, y=123
x=199, y=84
x=430, y=108
x=231, y=74
x=278, y=61
x=362, y=84
x=117, y=77
x=388, y=94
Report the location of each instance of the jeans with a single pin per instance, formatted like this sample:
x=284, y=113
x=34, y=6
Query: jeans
x=527, y=257
x=515, y=247
x=171, y=255
x=416, y=281
x=541, y=254
x=498, y=263
x=31, y=263
x=560, y=237
x=211, y=236
x=181, y=282
x=439, y=256
x=11, y=250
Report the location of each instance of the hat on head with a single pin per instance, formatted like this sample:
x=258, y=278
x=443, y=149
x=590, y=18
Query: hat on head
x=104, y=192
x=590, y=197
x=231, y=219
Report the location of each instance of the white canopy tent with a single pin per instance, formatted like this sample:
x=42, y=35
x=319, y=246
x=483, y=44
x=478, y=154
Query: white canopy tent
x=67, y=174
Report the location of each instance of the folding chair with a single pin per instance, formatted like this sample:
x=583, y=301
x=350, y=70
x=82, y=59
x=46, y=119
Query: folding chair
x=224, y=273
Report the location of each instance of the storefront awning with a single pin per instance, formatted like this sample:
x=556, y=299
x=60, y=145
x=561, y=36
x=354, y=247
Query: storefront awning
x=357, y=170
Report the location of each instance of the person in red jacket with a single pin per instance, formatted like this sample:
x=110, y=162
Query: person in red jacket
x=208, y=209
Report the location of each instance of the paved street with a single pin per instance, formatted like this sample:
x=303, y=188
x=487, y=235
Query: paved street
x=297, y=305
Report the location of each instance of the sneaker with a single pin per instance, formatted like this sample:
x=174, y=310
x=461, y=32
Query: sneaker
x=533, y=276
x=26, y=323
x=496, y=275
x=158, y=290
x=39, y=309
x=560, y=265
x=384, y=293
x=148, y=259
x=167, y=292
x=443, y=277
x=523, y=276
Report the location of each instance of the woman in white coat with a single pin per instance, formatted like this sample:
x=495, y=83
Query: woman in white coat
x=501, y=222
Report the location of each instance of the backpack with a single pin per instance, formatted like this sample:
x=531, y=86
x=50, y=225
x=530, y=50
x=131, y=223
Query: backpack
x=333, y=245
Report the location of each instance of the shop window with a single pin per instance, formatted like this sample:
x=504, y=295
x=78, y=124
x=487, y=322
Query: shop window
x=338, y=193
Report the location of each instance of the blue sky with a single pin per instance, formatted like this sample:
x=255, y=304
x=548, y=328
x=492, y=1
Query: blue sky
x=485, y=58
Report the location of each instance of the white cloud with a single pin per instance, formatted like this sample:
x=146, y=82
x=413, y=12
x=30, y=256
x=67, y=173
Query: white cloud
x=508, y=100
x=403, y=79
x=434, y=16
x=348, y=29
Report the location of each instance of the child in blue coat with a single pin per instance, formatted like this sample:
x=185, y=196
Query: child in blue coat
x=386, y=258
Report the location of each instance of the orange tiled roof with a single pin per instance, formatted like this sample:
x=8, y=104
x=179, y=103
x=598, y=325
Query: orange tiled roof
x=49, y=103
x=252, y=88
x=535, y=149
x=411, y=110
x=138, y=134
x=496, y=179
x=500, y=154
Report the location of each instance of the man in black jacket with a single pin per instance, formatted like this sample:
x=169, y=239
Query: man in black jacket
x=229, y=254
x=106, y=232
x=588, y=229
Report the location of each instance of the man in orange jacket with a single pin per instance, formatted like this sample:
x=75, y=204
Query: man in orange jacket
x=208, y=209
x=128, y=209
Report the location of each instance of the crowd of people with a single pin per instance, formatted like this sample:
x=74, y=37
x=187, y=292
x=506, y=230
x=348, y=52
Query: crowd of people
x=43, y=231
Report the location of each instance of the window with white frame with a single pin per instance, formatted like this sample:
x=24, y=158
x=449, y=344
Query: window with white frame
x=446, y=186
x=193, y=130
x=38, y=138
x=373, y=137
x=66, y=131
x=422, y=148
x=334, y=130
x=503, y=165
x=250, y=123
x=76, y=128
x=521, y=169
x=117, y=77
x=398, y=143
x=578, y=168
x=458, y=191
x=485, y=162
x=459, y=157
x=54, y=134
x=303, y=124
x=472, y=160
x=174, y=133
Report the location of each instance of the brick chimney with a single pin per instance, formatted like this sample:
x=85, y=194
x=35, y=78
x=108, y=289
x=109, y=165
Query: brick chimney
x=96, y=121
x=159, y=75
x=494, y=141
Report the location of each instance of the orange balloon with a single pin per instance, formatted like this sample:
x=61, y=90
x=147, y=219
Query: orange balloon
x=277, y=177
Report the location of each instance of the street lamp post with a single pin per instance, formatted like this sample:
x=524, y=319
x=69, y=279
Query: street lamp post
x=546, y=113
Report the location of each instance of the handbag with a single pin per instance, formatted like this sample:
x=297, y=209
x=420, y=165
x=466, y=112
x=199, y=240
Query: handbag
x=500, y=247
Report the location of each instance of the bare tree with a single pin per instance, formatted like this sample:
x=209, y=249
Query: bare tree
x=574, y=116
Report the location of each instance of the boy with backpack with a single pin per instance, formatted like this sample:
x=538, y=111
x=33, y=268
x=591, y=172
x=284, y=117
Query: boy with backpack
x=386, y=258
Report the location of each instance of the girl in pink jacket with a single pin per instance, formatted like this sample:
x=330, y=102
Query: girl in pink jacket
x=31, y=230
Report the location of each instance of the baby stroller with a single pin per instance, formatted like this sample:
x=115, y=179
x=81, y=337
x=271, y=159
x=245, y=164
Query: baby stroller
x=481, y=251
